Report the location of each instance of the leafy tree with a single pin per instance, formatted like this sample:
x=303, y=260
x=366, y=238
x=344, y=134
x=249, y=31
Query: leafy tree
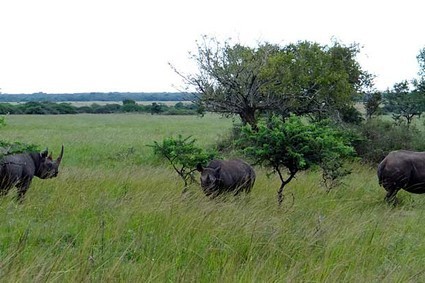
x=421, y=61
x=183, y=155
x=372, y=102
x=349, y=114
x=419, y=84
x=156, y=108
x=374, y=139
x=130, y=107
x=403, y=103
x=228, y=80
x=294, y=146
x=300, y=78
x=64, y=108
x=128, y=102
x=179, y=105
x=316, y=80
x=7, y=108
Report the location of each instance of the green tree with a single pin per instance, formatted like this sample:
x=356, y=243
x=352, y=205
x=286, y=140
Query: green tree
x=156, y=108
x=130, y=107
x=302, y=78
x=421, y=61
x=183, y=155
x=228, y=79
x=403, y=103
x=294, y=146
x=128, y=102
x=419, y=84
x=372, y=102
x=317, y=80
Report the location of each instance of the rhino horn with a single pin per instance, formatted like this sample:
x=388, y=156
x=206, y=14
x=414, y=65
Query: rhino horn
x=58, y=161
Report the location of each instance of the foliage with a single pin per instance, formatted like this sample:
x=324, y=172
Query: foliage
x=128, y=102
x=374, y=139
x=315, y=79
x=301, y=78
x=183, y=155
x=372, y=102
x=51, y=108
x=94, y=96
x=403, y=103
x=7, y=148
x=421, y=61
x=156, y=108
x=228, y=80
x=2, y=121
x=296, y=146
x=419, y=84
x=349, y=114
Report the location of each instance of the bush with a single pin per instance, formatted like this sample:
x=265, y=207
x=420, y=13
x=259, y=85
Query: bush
x=7, y=148
x=294, y=146
x=183, y=155
x=374, y=139
x=129, y=107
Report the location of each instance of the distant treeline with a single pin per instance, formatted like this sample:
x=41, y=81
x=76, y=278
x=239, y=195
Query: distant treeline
x=44, y=108
x=96, y=96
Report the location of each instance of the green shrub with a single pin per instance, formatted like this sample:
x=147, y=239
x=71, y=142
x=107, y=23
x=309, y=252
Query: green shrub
x=7, y=148
x=183, y=155
x=294, y=146
x=374, y=139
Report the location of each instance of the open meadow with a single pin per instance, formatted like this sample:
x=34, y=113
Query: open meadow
x=115, y=213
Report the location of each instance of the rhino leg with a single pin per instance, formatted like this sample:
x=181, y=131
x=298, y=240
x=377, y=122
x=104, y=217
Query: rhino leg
x=391, y=198
x=22, y=189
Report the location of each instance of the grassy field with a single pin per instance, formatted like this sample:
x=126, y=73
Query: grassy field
x=115, y=214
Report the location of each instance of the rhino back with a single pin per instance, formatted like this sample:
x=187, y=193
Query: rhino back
x=18, y=166
x=402, y=169
x=234, y=173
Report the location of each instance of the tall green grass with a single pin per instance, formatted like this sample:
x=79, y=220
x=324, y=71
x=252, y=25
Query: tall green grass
x=115, y=213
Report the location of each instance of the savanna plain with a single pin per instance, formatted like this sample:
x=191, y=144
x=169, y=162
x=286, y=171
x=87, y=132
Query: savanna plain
x=115, y=213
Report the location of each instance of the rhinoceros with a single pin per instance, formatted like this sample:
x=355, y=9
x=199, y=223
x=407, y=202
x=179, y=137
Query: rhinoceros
x=402, y=169
x=18, y=170
x=226, y=176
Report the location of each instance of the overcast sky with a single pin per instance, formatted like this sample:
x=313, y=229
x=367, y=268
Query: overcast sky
x=125, y=45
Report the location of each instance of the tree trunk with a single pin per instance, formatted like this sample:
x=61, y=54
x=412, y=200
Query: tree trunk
x=248, y=117
x=280, y=194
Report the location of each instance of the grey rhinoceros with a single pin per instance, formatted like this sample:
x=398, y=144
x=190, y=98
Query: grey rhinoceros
x=402, y=169
x=18, y=170
x=226, y=176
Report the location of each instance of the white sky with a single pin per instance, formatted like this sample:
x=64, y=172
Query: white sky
x=125, y=45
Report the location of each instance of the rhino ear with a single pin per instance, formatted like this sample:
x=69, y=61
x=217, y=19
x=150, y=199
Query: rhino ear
x=44, y=153
x=199, y=167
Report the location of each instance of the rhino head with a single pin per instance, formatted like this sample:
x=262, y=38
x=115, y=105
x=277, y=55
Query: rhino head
x=48, y=167
x=210, y=179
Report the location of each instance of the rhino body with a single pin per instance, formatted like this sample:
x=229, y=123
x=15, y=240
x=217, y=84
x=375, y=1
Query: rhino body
x=402, y=169
x=226, y=176
x=18, y=170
